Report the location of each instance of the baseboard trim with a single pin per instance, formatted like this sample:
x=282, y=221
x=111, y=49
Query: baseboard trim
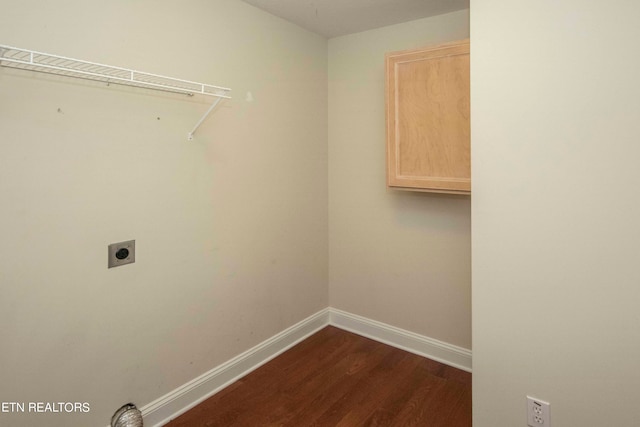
x=180, y=400
x=442, y=352
x=185, y=397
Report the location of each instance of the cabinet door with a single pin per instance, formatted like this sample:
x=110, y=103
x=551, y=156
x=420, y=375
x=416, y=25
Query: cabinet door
x=428, y=135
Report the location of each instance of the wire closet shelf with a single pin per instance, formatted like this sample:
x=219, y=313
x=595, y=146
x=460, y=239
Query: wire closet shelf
x=59, y=65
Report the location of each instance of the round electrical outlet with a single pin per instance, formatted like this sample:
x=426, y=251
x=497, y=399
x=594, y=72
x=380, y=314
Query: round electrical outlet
x=122, y=253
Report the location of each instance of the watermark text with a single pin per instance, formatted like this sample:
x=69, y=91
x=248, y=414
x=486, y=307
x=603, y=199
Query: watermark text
x=45, y=407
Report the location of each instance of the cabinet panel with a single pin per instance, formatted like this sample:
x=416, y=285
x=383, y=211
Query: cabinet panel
x=428, y=136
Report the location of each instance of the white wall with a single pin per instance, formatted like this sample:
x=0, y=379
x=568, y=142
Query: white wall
x=555, y=211
x=397, y=257
x=231, y=228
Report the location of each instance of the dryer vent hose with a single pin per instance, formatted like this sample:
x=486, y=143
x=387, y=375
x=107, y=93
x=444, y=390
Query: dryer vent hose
x=127, y=416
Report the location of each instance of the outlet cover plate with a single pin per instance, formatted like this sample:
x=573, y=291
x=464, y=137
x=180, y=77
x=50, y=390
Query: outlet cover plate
x=122, y=253
x=538, y=413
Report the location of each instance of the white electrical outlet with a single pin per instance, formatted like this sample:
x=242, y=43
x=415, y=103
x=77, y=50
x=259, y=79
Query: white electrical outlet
x=538, y=413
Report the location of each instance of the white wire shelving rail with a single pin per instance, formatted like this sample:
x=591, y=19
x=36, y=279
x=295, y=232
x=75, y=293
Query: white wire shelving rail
x=59, y=65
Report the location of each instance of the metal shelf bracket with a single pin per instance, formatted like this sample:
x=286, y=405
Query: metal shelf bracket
x=195, y=128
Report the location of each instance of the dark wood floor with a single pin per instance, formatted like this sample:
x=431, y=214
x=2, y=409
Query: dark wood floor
x=336, y=378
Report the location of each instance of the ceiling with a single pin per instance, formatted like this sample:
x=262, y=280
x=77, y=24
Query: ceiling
x=332, y=18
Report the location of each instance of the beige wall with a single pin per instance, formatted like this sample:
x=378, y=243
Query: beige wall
x=555, y=211
x=231, y=228
x=396, y=257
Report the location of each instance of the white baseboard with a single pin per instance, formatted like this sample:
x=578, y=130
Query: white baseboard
x=439, y=351
x=185, y=397
x=180, y=400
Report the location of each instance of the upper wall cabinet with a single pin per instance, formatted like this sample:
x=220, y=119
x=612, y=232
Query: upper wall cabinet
x=428, y=136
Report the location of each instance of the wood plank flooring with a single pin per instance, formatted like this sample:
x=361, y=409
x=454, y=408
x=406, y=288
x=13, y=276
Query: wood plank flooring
x=336, y=378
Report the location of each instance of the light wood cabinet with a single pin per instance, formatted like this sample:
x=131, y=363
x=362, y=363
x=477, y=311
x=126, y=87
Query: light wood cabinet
x=428, y=135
